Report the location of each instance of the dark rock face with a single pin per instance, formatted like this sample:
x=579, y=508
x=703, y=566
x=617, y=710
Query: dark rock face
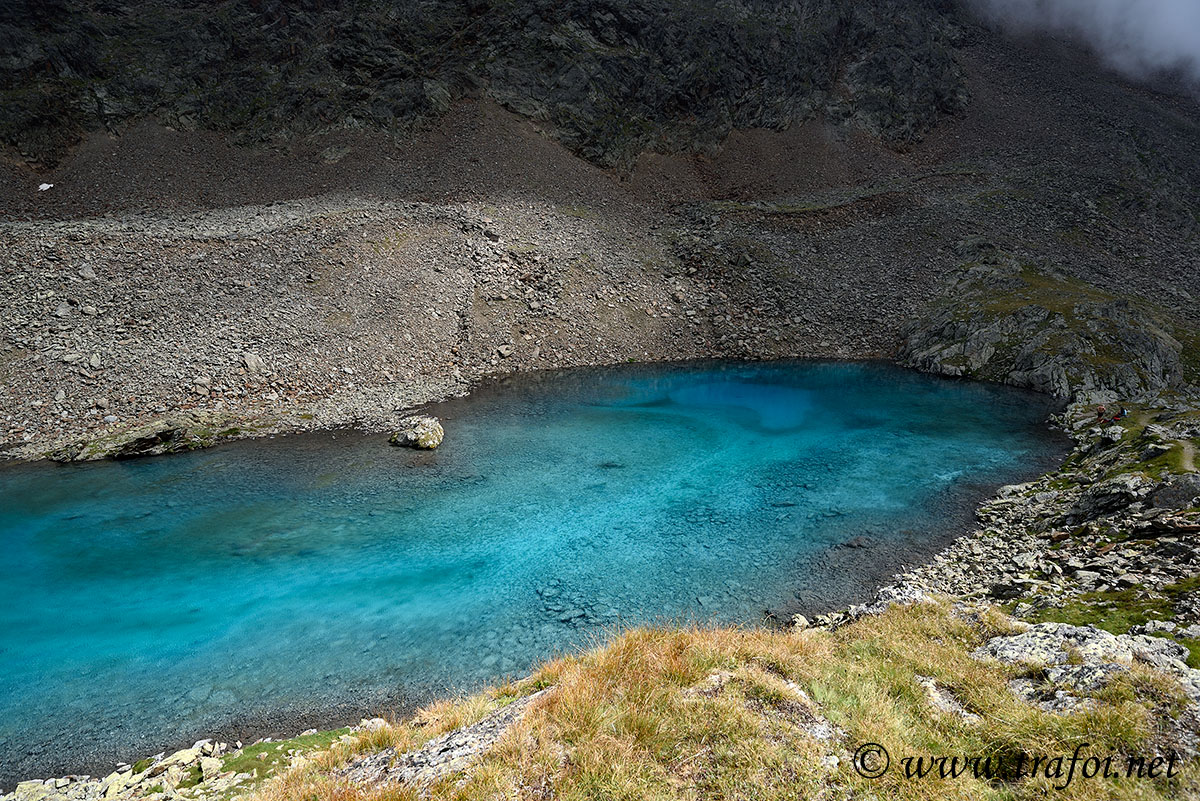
x=1179, y=492
x=613, y=78
x=1111, y=495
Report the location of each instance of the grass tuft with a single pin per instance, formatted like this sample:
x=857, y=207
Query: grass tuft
x=727, y=713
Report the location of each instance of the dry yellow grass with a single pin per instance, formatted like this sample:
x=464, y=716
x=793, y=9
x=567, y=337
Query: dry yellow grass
x=700, y=713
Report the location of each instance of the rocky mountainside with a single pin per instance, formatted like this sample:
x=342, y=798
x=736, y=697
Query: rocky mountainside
x=611, y=78
x=407, y=262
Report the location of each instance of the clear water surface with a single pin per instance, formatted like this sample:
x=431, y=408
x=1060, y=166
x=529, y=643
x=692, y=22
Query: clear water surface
x=280, y=583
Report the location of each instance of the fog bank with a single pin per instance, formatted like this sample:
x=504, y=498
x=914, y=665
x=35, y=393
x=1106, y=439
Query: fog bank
x=1141, y=38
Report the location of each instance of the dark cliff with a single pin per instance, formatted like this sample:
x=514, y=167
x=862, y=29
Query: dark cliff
x=611, y=78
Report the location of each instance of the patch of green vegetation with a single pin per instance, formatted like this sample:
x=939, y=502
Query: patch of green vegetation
x=340, y=319
x=1118, y=611
x=261, y=759
x=154, y=788
x=1193, y=646
x=1115, y=611
x=393, y=241
x=142, y=765
x=194, y=776
x=1180, y=587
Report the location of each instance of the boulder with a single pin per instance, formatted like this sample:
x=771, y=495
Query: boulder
x=1178, y=492
x=255, y=365
x=420, y=432
x=1111, y=496
x=210, y=768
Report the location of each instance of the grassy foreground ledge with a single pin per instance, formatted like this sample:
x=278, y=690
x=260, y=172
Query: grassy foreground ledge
x=760, y=714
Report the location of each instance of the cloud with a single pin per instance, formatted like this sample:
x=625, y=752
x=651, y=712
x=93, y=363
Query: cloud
x=1142, y=38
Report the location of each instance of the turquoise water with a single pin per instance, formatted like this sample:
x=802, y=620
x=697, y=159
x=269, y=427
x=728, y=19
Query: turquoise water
x=278, y=583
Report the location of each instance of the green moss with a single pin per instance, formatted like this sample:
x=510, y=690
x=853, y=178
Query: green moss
x=1118, y=611
x=578, y=212
x=1193, y=646
x=142, y=765
x=1115, y=611
x=1180, y=587
x=194, y=776
x=261, y=759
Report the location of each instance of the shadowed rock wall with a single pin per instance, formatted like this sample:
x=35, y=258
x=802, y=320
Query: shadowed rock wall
x=612, y=78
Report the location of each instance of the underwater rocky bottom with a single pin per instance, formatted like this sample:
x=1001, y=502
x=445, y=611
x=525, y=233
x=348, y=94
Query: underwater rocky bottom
x=268, y=585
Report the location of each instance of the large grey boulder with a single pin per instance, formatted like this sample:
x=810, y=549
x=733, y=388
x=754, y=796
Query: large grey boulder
x=1178, y=492
x=420, y=431
x=1111, y=496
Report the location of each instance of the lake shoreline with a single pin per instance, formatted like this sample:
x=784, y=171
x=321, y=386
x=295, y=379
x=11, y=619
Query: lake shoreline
x=870, y=563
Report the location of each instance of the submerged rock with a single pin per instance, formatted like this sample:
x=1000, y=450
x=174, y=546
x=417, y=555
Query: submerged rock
x=420, y=431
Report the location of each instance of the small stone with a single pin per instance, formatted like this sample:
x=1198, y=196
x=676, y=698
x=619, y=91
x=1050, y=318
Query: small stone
x=372, y=724
x=87, y=273
x=504, y=351
x=254, y=363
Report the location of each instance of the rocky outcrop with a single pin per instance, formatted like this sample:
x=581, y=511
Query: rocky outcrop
x=1077, y=661
x=421, y=432
x=1178, y=492
x=197, y=772
x=450, y=753
x=1111, y=495
x=184, y=432
x=1030, y=327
